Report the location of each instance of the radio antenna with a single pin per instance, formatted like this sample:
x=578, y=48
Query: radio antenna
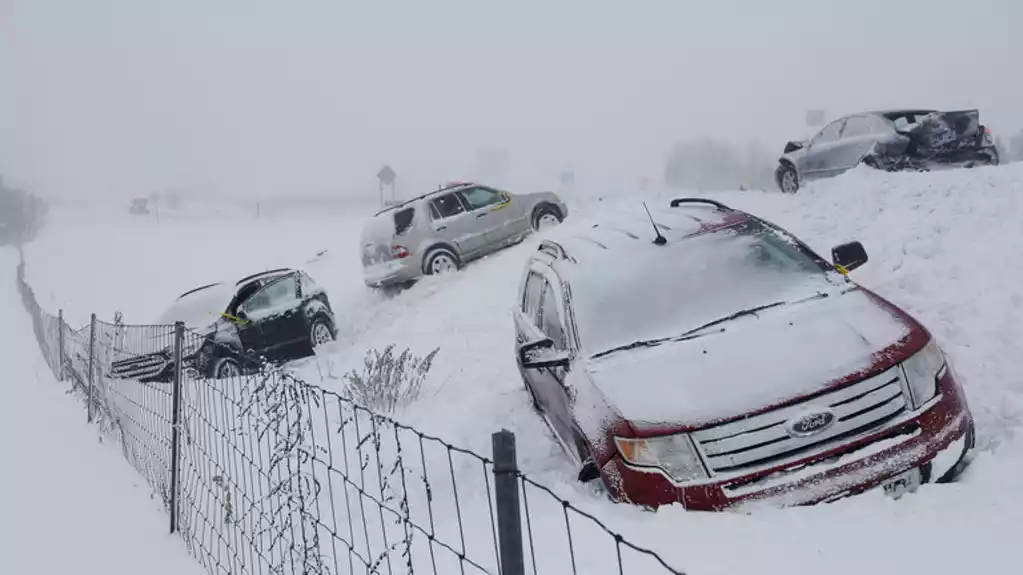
x=660, y=240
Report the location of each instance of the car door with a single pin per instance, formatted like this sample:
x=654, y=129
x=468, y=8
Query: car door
x=548, y=384
x=274, y=312
x=819, y=160
x=492, y=213
x=453, y=223
x=858, y=137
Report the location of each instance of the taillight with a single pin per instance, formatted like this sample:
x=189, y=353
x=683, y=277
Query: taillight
x=399, y=252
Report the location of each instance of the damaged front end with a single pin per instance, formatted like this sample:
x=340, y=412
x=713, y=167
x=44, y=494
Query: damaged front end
x=940, y=139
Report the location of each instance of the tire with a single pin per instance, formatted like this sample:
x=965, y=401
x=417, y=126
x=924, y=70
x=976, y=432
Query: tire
x=546, y=216
x=787, y=178
x=225, y=367
x=440, y=260
x=320, y=332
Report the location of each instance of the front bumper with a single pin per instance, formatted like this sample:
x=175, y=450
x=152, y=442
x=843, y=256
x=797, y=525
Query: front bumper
x=933, y=440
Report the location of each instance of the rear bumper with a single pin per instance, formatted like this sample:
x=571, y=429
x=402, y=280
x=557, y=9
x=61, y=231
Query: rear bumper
x=391, y=272
x=933, y=440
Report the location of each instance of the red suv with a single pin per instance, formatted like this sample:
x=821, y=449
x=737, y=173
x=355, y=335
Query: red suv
x=704, y=356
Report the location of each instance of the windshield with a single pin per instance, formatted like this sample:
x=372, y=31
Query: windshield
x=199, y=308
x=667, y=291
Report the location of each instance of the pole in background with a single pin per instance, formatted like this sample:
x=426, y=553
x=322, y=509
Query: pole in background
x=60, y=345
x=506, y=493
x=92, y=363
x=179, y=337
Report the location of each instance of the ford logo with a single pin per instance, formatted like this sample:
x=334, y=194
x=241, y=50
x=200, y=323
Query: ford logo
x=810, y=423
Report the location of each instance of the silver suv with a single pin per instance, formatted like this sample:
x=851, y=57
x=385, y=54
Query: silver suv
x=444, y=229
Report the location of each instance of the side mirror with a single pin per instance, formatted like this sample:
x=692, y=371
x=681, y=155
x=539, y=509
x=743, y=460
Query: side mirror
x=793, y=146
x=541, y=353
x=848, y=257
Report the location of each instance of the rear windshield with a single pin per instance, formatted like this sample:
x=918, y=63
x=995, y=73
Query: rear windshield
x=403, y=220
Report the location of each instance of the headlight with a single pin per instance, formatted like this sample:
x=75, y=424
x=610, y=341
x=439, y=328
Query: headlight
x=923, y=371
x=673, y=454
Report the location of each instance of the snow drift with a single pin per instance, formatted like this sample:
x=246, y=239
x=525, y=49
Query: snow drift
x=941, y=244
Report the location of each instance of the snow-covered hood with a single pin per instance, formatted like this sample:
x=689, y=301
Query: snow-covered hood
x=758, y=361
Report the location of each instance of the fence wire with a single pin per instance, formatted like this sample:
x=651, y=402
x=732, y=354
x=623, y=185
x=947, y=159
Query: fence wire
x=277, y=476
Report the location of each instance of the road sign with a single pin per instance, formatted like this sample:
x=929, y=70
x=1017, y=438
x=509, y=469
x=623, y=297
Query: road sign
x=386, y=175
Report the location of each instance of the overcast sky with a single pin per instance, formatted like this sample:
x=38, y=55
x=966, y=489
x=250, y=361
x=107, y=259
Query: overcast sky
x=312, y=96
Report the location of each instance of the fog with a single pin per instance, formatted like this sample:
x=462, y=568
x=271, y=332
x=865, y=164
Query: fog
x=117, y=98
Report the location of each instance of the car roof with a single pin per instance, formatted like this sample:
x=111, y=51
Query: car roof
x=616, y=236
x=448, y=188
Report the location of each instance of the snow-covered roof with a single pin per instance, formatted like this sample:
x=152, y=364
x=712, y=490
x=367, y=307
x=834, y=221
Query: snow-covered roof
x=592, y=240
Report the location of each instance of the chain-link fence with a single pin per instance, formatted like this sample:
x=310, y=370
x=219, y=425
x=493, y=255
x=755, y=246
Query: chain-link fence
x=263, y=473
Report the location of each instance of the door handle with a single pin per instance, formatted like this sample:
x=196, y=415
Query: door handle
x=441, y=228
x=481, y=215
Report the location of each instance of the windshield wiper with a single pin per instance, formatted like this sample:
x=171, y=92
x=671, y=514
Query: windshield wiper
x=691, y=334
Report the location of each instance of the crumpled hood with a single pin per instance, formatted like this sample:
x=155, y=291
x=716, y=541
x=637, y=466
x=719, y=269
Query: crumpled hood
x=758, y=361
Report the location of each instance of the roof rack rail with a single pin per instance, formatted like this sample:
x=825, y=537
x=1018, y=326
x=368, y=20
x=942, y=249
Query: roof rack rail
x=552, y=248
x=679, y=201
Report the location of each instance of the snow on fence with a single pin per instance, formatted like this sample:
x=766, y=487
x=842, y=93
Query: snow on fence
x=264, y=473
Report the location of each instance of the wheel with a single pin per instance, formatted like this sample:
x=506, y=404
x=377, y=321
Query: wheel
x=440, y=260
x=787, y=178
x=320, y=332
x=226, y=367
x=546, y=217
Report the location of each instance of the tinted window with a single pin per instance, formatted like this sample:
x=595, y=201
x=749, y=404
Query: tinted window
x=403, y=220
x=531, y=297
x=830, y=133
x=446, y=206
x=276, y=297
x=550, y=318
x=477, y=198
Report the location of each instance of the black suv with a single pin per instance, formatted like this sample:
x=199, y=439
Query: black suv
x=275, y=316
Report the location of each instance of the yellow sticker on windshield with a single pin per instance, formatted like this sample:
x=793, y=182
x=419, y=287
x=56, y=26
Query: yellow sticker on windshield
x=841, y=270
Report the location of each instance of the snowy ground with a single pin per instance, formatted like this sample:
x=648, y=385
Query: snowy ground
x=69, y=503
x=942, y=246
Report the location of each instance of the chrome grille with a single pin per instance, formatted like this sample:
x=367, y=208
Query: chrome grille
x=763, y=439
x=141, y=367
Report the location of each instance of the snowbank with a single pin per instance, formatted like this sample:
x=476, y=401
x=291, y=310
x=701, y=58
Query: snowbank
x=70, y=503
x=942, y=246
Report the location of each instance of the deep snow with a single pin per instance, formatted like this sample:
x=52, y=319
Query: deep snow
x=942, y=245
x=68, y=502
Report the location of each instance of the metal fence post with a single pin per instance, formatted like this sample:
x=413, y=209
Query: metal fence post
x=506, y=493
x=179, y=337
x=60, y=345
x=92, y=363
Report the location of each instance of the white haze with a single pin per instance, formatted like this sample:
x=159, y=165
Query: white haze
x=114, y=98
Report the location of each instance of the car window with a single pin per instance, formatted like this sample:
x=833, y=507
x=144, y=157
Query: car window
x=856, y=126
x=446, y=206
x=878, y=125
x=477, y=198
x=550, y=317
x=276, y=297
x=830, y=133
x=531, y=297
x=403, y=220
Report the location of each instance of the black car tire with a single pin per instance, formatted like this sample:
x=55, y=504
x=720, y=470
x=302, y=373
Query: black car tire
x=547, y=213
x=783, y=171
x=432, y=263
x=225, y=367
x=321, y=331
